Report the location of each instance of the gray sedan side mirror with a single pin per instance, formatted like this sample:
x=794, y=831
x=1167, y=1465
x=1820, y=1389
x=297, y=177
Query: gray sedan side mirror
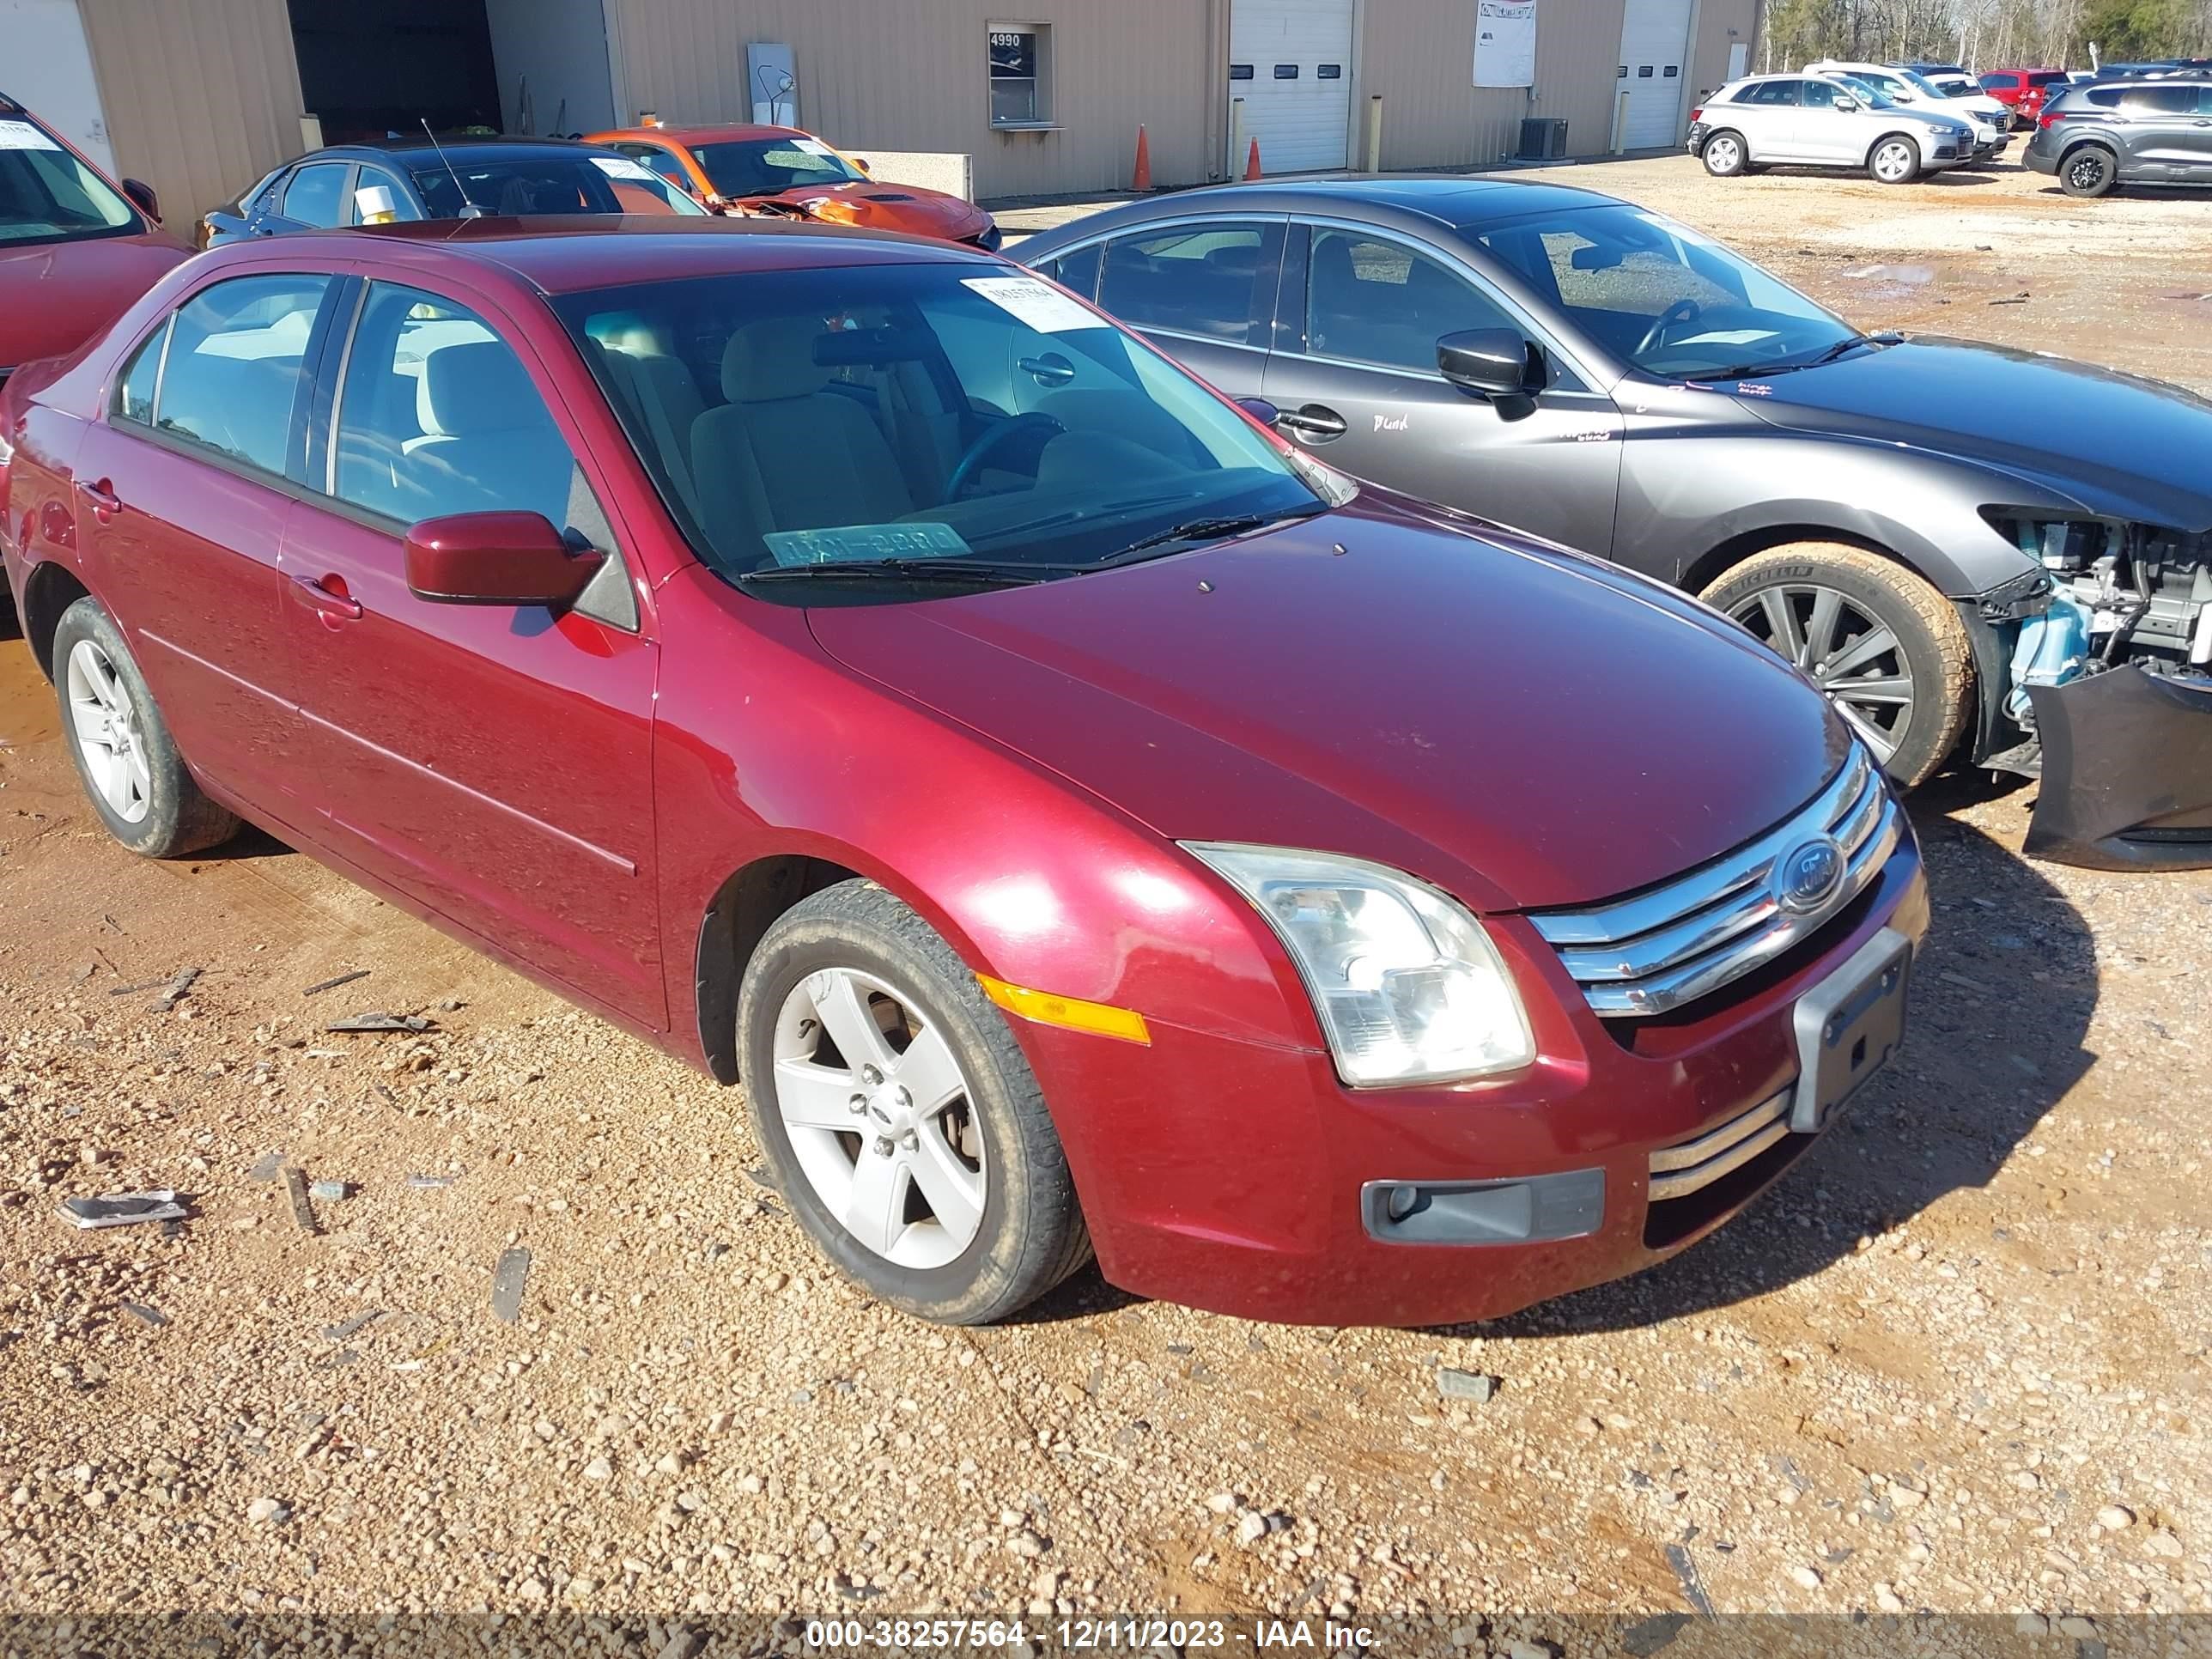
x=1492, y=362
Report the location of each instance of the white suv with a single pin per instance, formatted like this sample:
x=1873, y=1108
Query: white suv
x=1824, y=121
x=1992, y=120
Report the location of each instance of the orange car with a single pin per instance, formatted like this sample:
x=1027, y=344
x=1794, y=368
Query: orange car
x=750, y=170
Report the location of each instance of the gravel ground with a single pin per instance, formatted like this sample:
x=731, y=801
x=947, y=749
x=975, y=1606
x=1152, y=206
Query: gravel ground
x=1954, y=1363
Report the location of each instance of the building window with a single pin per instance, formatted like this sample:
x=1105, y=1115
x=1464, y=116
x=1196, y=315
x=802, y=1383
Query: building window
x=1021, y=74
x=1330, y=72
x=1286, y=71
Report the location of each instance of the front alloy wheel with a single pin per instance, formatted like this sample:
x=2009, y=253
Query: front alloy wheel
x=1895, y=161
x=900, y=1116
x=1888, y=650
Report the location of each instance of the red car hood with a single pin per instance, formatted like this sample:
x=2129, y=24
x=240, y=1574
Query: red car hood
x=1518, y=724
x=888, y=207
x=56, y=295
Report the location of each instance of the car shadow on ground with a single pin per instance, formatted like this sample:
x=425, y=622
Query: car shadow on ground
x=2136, y=193
x=2001, y=997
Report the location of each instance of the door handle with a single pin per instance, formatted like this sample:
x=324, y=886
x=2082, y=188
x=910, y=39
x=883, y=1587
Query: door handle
x=331, y=607
x=1051, y=370
x=1314, y=421
x=106, y=503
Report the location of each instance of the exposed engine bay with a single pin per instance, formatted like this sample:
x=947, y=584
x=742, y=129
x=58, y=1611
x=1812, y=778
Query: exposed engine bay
x=2112, y=686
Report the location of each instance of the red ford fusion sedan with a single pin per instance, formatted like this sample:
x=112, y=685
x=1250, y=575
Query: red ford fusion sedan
x=1083, y=823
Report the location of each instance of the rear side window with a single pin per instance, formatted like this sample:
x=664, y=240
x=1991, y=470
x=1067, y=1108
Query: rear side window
x=437, y=416
x=1077, y=271
x=316, y=195
x=134, y=393
x=1771, y=92
x=1194, y=279
x=2160, y=100
x=402, y=208
x=233, y=372
x=2000, y=82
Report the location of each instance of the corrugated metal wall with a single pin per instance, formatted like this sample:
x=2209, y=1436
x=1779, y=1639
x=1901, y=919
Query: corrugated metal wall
x=201, y=96
x=912, y=75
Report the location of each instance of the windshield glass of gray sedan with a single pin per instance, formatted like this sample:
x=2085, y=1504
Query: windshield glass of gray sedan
x=942, y=421
x=1662, y=296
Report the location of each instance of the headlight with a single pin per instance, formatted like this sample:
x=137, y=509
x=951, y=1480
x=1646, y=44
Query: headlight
x=1407, y=986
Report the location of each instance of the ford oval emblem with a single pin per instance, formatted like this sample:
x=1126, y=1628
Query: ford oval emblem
x=1808, y=875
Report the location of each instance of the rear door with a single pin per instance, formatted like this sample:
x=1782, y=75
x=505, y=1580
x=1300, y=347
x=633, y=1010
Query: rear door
x=185, y=487
x=493, y=762
x=2159, y=126
x=2199, y=136
x=1765, y=113
x=1354, y=373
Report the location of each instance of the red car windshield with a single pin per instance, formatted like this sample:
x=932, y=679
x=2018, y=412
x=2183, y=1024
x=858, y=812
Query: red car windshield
x=47, y=195
x=768, y=166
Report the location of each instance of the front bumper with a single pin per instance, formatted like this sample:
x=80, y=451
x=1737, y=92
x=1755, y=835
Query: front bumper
x=2127, y=772
x=1247, y=1179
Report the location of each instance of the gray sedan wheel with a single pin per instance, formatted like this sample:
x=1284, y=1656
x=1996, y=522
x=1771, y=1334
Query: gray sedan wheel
x=1724, y=155
x=1888, y=649
x=1895, y=161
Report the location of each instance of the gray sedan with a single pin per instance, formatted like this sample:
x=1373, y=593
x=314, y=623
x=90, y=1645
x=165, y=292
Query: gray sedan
x=1907, y=520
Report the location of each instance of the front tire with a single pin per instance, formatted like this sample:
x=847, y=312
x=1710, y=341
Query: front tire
x=900, y=1117
x=1894, y=161
x=1889, y=651
x=125, y=758
x=2088, y=171
x=1724, y=156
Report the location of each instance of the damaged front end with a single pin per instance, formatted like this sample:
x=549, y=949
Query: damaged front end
x=2110, y=690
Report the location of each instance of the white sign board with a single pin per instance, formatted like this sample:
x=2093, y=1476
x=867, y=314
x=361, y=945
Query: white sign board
x=1506, y=43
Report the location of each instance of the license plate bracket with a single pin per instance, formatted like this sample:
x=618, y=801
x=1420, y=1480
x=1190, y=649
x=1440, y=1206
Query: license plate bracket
x=1848, y=1027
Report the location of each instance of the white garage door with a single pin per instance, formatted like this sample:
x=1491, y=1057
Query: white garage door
x=1655, y=56
x=48, y=66
x=1290, y=62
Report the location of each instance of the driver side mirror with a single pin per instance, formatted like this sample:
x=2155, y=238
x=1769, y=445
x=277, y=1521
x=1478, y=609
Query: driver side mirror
x=497, y=558
x=1492, y=362
x=1848, y=106
x=143, y=198
x=862, y=162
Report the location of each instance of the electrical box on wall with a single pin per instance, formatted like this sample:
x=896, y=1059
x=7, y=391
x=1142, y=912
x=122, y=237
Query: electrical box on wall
x=772, y=75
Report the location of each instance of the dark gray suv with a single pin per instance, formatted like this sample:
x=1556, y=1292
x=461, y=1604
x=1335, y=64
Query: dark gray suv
x=2139, y=132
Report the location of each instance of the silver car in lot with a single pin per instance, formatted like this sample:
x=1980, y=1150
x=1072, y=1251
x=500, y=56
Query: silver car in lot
x=1825, y=121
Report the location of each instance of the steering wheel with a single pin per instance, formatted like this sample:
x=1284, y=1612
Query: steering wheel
x=998, y=433
x=1682, y=311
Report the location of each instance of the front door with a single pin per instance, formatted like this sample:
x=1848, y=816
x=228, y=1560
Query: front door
x=492, y=761
x=184, y=497
x=1203, y=291
x=1355, y=377
x=1826, y=133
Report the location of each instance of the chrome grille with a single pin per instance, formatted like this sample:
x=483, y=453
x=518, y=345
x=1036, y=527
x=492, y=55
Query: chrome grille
x=1689, y=1165
x=1672, y=944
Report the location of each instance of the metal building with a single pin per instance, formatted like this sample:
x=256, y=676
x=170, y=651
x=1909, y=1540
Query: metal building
x=201, y=97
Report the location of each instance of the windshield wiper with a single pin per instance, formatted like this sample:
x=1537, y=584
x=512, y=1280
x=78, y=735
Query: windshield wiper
x=1218, y=528
x=968, y=572
x=1761, y=371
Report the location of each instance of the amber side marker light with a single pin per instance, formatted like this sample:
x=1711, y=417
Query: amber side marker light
x=1099, y=1018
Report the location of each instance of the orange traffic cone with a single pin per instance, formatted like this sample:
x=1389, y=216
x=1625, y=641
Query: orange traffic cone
x=1141, y=180
x=1252, y=165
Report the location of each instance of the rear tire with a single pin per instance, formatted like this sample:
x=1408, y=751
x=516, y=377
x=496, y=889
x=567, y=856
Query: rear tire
x=1889, y=651
x=1725, y=155
x=2088, y=171
x=1894, y=161
x=943, y=1191
x=124, y=757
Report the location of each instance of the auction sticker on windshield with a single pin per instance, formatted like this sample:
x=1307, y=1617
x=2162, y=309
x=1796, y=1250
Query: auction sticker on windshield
x=1037, y=303
x=620, y=167
x=853, y=544
x=22, y=135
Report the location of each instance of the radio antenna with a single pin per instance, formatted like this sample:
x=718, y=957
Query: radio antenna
x=469, y=208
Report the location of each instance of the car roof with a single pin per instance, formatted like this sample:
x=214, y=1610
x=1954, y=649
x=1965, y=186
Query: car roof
x=572, y=253
x=477, y=146
x=709, y=133
x=1452, y=199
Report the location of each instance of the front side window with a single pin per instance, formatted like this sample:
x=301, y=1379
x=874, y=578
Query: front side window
x=1820, y=94
x=395, y=206
x=1375, y=302
x=919, y=412
x=233, y=369
x=47, y=195
x=316, y=195
x=1193, y=279
x=768, y=166
x=1663, y=297
x=437, y=416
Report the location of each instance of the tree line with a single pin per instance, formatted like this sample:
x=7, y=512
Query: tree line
x=1985, y=34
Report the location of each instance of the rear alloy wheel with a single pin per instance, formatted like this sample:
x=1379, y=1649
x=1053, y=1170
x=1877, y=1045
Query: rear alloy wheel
x=1723, y=155
x=129, y=764
x=899, y=1115
x=1895, y=161
x=2088, y=171
x=1888, y=649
